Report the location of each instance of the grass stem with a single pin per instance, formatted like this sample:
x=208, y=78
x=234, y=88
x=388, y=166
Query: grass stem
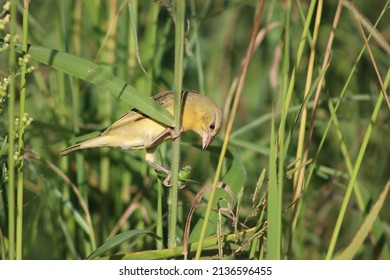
x=11, y=136
x=22, y=123
x=173, y=194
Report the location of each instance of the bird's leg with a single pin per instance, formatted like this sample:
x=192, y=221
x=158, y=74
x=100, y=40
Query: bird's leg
x=149, y=158
x=166, y=131
x=150, y=153
x=175, y=135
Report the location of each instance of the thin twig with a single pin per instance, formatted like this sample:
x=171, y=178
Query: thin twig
x=372, y=59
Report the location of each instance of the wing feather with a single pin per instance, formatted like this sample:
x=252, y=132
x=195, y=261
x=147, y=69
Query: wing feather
x=165, y=99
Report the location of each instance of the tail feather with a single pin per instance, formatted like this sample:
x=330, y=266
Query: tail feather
x=70, y=149
x=100, y=141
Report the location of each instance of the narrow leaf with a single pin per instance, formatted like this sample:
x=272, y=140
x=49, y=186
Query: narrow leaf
x=97, y=75
x=116, y=241
x=366, y=227
x=235, y=178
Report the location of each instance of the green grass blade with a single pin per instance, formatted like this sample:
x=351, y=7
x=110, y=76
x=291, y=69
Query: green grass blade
x=209, y=243
x=366, y=227
x=116, y=241
x=73, y=212
x=274, y=218
x=356, y=168
x=235, y=178
x=97, y=75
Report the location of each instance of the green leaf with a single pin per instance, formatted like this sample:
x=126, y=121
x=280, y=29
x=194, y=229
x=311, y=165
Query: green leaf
x=116, y=241
x=235, y=178
x=79, y=218
x=97, y=75
x=365, y=229
x=273, y=201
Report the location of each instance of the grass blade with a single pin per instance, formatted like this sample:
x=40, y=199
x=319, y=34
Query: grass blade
x=366, y=227
x=116, y=241
x=97, y=75
x=356, y=168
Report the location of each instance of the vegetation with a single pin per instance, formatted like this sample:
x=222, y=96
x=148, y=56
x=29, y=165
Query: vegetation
x=300, y=169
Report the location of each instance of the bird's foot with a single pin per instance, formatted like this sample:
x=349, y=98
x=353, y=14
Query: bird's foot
x=163, y=134
x=164, y=172
x=167, y=181
x=183, y=176
x=173, y=134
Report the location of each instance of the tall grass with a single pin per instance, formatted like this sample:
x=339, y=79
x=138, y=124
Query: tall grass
x=298, y=171
x=178, y=80
x=11, y=136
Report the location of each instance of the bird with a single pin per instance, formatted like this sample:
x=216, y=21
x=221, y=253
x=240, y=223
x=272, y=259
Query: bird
x=136, y=131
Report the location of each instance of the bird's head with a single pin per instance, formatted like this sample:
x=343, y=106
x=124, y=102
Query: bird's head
x=201, y=115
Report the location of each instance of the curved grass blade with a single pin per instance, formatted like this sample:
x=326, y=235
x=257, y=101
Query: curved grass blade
x=97, y=75
x=116, y=241
x=235, y=178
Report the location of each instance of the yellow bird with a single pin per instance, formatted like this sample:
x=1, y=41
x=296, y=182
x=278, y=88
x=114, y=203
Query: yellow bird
x=136, y=131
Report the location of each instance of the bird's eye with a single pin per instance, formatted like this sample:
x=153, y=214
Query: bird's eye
x=212, y=126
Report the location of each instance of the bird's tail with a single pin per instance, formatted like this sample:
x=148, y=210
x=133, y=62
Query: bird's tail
x=70, y=149
x=100, y=141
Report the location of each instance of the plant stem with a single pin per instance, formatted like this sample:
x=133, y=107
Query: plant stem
x=11, y=137
x=61, y=88
x=22, y=123
x=173, y=194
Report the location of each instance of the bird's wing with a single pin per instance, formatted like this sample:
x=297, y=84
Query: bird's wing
x=165, y=99
x=127, y=119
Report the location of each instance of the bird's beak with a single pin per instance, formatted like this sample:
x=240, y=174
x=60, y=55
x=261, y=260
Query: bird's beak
x=206, y=140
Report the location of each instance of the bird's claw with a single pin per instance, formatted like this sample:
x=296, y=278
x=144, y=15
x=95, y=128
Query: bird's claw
x=168, y=175
x=175, y=135
x=183, y=175
x=167, y=181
